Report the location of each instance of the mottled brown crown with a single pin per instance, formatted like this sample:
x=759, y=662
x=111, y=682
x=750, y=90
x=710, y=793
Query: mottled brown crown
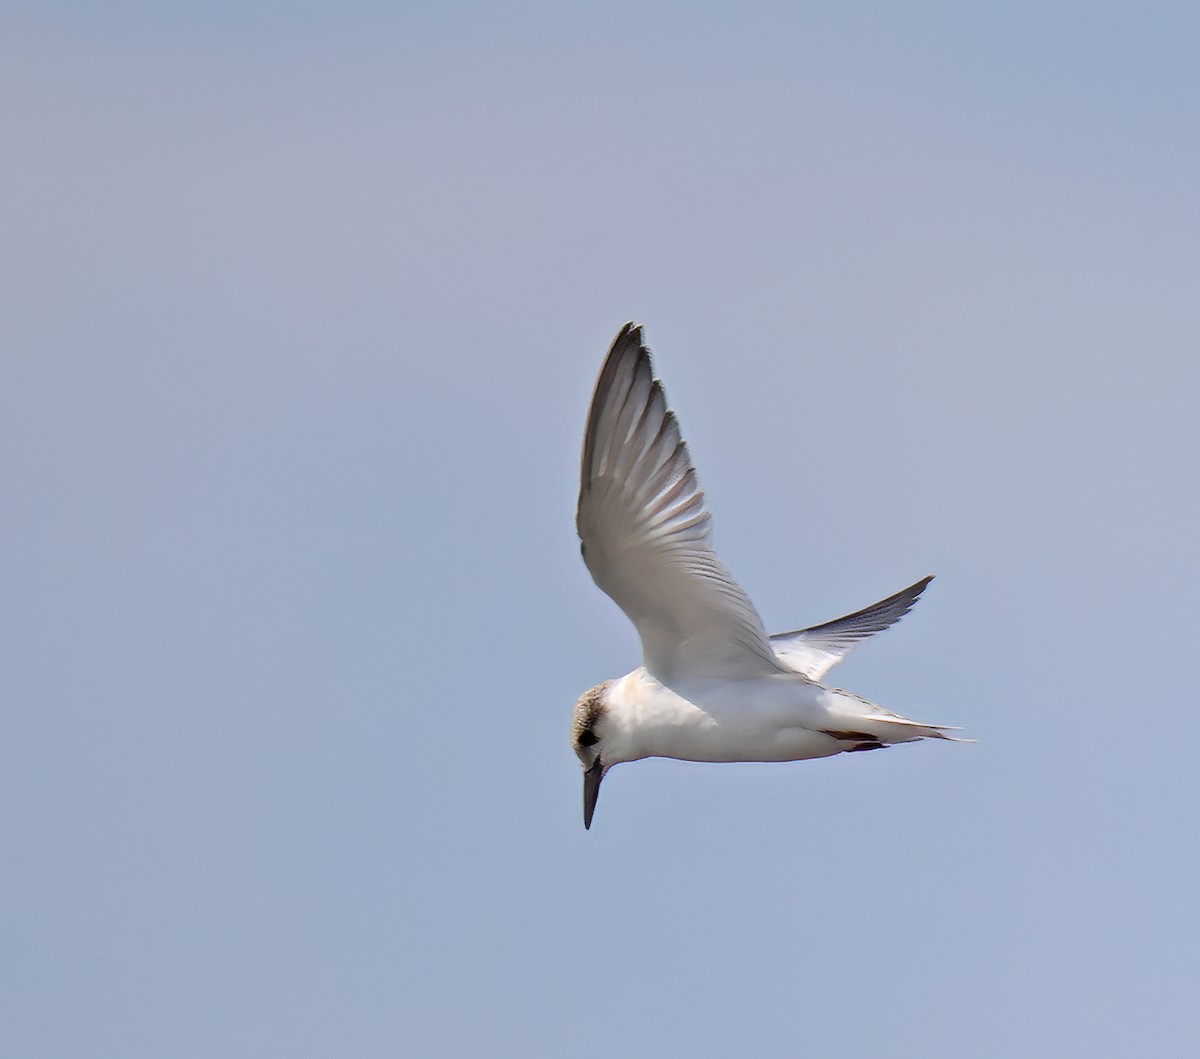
x=588, y=710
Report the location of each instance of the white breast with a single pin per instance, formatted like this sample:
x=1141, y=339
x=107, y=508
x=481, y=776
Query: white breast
x=747, y=720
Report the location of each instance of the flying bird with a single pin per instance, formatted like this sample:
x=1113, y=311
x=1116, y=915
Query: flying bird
x=713, y=685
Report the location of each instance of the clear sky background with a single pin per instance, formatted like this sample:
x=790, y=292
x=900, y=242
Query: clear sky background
x=301, y=307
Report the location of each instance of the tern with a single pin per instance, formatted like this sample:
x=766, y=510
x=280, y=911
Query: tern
x=713, y=685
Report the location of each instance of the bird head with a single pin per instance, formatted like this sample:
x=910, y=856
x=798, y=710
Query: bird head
x=587, y=737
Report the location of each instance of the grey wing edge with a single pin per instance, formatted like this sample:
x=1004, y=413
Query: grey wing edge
x=852, y=629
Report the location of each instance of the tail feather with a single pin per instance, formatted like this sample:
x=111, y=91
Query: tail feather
x=859, y=719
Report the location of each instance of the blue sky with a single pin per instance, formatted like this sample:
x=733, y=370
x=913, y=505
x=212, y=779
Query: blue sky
x=301, y=309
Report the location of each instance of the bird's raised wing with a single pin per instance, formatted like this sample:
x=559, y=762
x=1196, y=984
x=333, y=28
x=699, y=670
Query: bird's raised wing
x=815, y=651
x=645, y=531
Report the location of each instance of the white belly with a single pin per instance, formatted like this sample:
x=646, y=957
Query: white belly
x=730, y=721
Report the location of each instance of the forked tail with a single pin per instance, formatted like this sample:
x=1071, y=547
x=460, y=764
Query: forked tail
x=869, y=727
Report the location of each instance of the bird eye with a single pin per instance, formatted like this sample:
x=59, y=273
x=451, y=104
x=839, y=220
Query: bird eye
x=588, y=738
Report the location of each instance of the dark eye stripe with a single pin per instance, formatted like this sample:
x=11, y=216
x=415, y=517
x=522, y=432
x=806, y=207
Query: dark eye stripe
x=587, y=738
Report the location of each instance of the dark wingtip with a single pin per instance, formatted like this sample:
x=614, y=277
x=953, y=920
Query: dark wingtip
x=914, y=590
x=629, y=330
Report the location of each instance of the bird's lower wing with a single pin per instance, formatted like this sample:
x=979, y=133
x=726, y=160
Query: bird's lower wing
x=816, y=650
